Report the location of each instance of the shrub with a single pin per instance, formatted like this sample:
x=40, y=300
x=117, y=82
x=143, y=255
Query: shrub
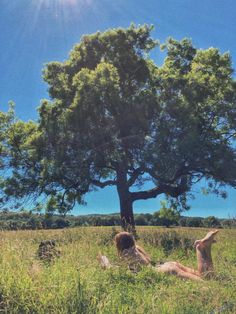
x=212, y=222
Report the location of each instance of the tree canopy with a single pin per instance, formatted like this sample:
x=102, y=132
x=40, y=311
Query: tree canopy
x=115, y=118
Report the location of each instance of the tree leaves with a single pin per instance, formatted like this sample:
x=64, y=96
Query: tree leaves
x=114, y=113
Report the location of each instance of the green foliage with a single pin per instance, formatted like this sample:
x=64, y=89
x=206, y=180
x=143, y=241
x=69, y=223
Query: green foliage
x=192, y=222
x=167, y=212
x=166, y=216
x=211, y=222
x=116, y=118
x=29, y=221
x=228, y=223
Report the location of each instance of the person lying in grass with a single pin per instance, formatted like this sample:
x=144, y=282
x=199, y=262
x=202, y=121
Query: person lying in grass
x=135, y=256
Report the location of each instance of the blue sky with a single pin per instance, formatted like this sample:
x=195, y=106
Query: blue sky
x=34, y=32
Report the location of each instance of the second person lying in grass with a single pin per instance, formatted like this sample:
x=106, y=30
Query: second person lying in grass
x=135, y=256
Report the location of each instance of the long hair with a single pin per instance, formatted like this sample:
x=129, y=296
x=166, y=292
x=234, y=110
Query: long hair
x=124, y=241
x=126, y=247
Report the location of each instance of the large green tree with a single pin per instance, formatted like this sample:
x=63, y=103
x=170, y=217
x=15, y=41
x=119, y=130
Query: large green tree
x=115, y=118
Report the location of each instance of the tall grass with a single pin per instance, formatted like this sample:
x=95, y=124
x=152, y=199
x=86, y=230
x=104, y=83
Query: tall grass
x=74, y=283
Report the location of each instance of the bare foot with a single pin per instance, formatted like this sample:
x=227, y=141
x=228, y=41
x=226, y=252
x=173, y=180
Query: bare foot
x=103, y=261
x=203, y=250
x=207, y=240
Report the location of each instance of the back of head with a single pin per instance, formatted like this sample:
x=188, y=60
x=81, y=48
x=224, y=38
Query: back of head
x=124, y=241
x=128, y=249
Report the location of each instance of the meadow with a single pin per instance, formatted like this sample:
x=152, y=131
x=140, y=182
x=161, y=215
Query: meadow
x=75, y=283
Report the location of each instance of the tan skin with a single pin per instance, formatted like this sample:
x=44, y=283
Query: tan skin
x=135, y=256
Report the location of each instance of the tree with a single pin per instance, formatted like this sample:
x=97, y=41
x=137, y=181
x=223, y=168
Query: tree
x=169, y=216
x=115, y=118
x=194, y=222
x=228, y=223
x=212, y=222
x=141, y=220
x=6, y=119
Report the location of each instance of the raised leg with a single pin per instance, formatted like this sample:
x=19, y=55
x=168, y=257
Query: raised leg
x=205, y=264
x=203, y=250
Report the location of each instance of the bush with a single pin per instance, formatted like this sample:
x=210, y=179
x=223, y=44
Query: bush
x=194, y=222
x=60, y=223
x=212, y=222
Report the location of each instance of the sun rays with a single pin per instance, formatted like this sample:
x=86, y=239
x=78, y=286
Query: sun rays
x=60, y=9
x=54, y=18
x=55, y=3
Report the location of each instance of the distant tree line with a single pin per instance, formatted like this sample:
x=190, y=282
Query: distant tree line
x=30, y=221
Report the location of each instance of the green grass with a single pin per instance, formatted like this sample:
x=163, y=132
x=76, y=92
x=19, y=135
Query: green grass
x=75, y=283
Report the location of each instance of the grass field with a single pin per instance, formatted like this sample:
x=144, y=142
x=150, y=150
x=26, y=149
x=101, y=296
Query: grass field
x=74, y=283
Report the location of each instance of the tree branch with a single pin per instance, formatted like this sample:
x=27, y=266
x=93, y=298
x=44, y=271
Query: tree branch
x=134, y=176
x=144, y=195
x=173, y=191
x=104, y=183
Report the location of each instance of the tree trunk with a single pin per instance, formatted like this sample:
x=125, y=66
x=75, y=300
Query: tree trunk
x=126, y=202
x=126, y=212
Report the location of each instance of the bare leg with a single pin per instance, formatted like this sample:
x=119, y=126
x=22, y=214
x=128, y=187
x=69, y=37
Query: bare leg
x=205, y=264
x=203, y=250
x=186, y=269
x=179, y=270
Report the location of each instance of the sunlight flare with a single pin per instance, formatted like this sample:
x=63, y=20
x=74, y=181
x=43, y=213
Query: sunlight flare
x=61, y=5
x=59, y=2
